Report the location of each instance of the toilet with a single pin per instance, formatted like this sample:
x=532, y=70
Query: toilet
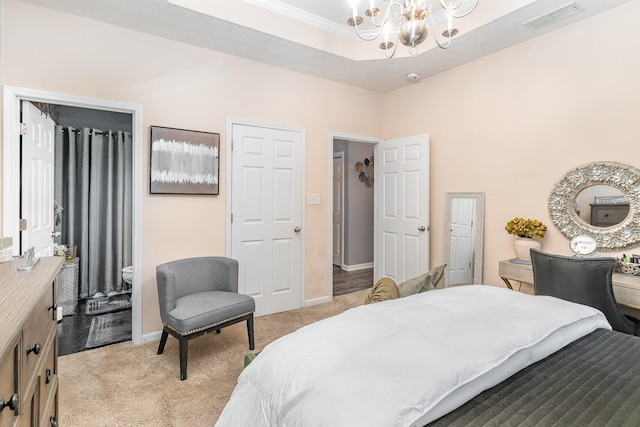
x=127, y=274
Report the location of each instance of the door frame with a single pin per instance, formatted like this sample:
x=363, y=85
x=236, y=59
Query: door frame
x=228, y=180
x=340, y=155
x=352, y=138
x=12, y=96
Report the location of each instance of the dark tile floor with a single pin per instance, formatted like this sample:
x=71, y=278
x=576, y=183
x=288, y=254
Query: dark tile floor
x=73, y=330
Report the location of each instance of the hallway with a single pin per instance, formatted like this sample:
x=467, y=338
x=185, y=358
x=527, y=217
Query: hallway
x=345, y=282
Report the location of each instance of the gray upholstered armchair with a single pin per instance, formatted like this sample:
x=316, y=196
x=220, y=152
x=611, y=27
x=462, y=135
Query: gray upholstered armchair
x=199, y=295
x=584, y=281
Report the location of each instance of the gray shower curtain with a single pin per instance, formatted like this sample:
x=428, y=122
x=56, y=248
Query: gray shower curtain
x=93, y=185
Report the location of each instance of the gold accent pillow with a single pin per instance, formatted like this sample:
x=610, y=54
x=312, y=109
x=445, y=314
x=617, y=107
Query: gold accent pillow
x=383, y=290
x=433, y=279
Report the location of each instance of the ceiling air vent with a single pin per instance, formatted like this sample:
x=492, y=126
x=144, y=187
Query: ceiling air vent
x=554, y=16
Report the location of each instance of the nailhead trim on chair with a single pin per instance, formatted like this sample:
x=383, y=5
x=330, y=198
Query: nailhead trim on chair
x=202, y=328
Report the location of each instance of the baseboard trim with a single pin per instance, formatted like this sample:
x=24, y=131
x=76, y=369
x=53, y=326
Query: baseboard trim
x=153, y=336
x=316, y=301
x=356, y=267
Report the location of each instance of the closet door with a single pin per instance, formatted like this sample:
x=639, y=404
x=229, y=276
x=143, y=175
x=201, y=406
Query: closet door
x=267, y=232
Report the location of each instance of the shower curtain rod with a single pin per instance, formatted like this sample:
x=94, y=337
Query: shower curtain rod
x=99, y=132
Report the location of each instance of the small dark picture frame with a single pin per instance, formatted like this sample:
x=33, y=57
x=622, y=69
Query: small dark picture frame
x=184, y=161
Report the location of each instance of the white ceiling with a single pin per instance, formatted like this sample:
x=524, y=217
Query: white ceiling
x=311, y=36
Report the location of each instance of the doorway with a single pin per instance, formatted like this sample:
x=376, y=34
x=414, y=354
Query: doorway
x=352, y=214
x=93, y=189
x=400, y=208
x=13, y=96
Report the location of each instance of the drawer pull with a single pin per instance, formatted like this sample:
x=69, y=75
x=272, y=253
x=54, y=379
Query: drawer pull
x=35, y=349
x=53, y=422
x=52, y=307
x=47, y=376
x=11, y=403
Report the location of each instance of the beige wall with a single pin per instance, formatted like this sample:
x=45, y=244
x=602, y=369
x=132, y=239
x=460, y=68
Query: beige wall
x=509, y=124
x=512, y=123
x=187, y=87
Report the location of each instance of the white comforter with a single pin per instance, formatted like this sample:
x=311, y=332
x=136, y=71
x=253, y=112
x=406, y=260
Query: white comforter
x=403, y=362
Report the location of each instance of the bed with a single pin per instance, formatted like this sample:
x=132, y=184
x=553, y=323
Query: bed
x=470, y=355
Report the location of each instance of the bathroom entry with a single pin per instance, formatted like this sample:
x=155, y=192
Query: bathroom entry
x=93, y=224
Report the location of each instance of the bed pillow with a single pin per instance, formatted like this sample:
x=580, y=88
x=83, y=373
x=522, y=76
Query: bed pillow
x=383, y=290
x=433, y=279
x=248, y=358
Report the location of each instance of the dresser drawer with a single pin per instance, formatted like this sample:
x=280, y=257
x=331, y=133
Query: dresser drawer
x=35, y=334
x=49, y=409
x=9, y=381
x=611, y=215
x=48, y=374
x=606, y=215
x=29, y=408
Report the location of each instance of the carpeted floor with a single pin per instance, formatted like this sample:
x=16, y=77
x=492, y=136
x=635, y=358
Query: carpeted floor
x=127, y=385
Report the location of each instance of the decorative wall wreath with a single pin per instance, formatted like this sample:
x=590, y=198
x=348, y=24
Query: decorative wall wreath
x=365, y=171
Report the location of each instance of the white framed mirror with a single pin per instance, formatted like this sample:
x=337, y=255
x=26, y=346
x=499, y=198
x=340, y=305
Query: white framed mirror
x=463, y=238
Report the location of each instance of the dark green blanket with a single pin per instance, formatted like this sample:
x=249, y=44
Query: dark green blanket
x=594, y=381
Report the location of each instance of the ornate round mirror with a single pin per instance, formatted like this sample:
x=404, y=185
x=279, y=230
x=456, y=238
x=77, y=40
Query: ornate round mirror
x=600, y=199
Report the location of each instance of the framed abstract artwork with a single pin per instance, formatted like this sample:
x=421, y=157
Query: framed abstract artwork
x=184, y=161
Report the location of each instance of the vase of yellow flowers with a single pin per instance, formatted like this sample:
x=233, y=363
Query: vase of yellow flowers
x=528, y=232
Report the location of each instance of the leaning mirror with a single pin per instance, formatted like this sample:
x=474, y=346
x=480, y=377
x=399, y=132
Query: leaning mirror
x=463, y=238
x=599, y=199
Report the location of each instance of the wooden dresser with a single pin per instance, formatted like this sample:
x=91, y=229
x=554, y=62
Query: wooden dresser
x=29, y=344
x=608, y=214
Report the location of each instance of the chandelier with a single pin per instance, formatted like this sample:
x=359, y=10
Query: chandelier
x=408, y=18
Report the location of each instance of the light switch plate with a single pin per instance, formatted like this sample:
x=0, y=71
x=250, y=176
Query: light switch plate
x=313, y=198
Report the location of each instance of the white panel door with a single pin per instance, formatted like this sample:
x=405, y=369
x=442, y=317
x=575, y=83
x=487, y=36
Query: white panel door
x=461, y=259
x=267, y=215
x=37, y=181
x=402, y=204
x=337, y=213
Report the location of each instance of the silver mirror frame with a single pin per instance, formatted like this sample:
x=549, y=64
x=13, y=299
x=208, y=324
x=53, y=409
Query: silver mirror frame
x=478, y=233
x=617, y=175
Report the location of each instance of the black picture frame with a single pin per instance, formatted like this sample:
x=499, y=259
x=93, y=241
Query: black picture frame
x=184, y=161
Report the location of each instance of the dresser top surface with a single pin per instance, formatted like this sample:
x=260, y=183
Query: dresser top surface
x=20, y=291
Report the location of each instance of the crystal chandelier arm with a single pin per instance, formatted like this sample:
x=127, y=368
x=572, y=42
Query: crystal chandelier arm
x=387, y=14
x=367, y=39
x=380, y=26
x=393, y=51
x=444, y=45
x=454, y=6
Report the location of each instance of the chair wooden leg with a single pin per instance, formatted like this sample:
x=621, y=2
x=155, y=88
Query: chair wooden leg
x=163, y=341
x=184, y=347
x=250, y=331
